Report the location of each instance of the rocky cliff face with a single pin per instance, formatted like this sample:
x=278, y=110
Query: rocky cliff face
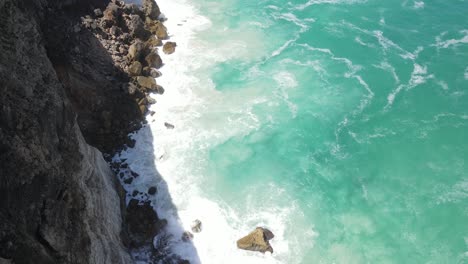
x=60, y=94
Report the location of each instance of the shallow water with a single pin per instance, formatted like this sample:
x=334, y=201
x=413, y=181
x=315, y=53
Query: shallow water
x=340, y=125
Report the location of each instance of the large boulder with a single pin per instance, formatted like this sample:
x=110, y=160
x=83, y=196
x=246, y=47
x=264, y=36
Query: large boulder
x=151, y=9
x=147, y=82
x=196, y=225
x=135, y=50
x=257, y=240
x=110, y=15
x=154, y=60
x=169, y=47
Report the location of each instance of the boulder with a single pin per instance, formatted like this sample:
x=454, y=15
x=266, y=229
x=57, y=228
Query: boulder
x=152, y=190
x=169, y=47
x=135, y=68
x=157, y=28
x=97, y=12
x=136, y=27
x=150, y=9
x=135, y=50
x=154, y=60
x=146, y=82
x=110, y=15
x=153, y=42
x=187, y=236
x=196, y=226
x=257, y=240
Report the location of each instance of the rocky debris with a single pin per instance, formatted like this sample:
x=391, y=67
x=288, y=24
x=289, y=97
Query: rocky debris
x=136, y=27
x=187, y=236
x=142, y=223
x=169, y=125
x=196, y=226
x=257, y=241
x=169, y=47
x=135, y=50
x=97, y=12
x=152, y=190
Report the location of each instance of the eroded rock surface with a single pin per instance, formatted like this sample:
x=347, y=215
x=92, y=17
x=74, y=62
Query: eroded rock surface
x=257, y=240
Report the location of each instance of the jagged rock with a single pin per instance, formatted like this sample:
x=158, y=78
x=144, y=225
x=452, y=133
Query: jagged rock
x=114, y=31
x=155, y=73
x=128, y=181
x=169, y=47
x=146, y=82
x=97, y=12
x=187, y=236
x=142, y=223
x=171, y=126
x=196, y=226
x=257, y=240
x=157, y=28
x=136, y=27
x=154, y=60
x=134, y=51
x=152, y=190
x=135, y=68
x=151, y=9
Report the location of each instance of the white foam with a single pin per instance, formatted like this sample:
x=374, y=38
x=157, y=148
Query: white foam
x=418, y=5
x=334, y=2
x=203, y=118
x=444, y=44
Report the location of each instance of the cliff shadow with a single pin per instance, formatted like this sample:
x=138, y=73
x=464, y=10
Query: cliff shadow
x=90, y=61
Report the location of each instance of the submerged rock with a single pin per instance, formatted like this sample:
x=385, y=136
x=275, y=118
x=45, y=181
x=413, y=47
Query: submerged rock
x=152, y=190
x=196, y=226
x=257, y=240
x=142, y=223
x=169, y=126
x=169, y=47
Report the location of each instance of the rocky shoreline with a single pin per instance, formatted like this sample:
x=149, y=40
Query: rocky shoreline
x=76, y=78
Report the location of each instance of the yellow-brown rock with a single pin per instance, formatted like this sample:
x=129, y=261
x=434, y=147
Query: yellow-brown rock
x=257, y=240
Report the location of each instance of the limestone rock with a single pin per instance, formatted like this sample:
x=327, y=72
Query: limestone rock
x=196, y=226
x=169, y=47
x=257, y=240
x=135, y=68
x=154, y=60
x=151, y=9
x=146, y=82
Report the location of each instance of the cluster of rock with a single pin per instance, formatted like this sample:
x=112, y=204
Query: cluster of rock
x=132, y=35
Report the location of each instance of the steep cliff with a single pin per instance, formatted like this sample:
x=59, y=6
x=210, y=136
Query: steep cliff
x=58, y=197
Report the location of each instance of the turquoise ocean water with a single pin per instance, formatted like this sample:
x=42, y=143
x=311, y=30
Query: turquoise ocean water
x=342, y=125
